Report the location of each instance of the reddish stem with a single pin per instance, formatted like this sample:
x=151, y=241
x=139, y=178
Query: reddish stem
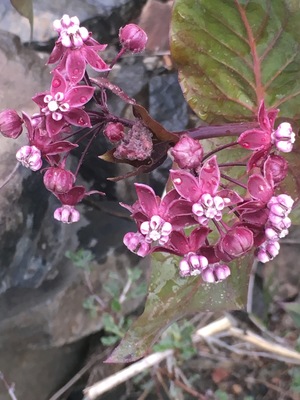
x=256, y=60
x=208, y=132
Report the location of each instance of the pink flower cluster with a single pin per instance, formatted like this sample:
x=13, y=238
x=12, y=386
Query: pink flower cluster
x=203, y=220
x=62, y=107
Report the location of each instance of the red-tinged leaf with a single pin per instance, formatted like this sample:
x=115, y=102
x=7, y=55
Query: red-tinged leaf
x=171, y=297
x=233, y=54
x=25, y=8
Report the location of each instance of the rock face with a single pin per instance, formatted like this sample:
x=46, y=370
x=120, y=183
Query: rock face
x=103, y=17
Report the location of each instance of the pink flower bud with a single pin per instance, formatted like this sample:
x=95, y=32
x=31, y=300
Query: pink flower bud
x=133, y=38
x=277, y=167
x=66, y=214
x=10, y=124
x=30, y=157
x=235, y=243
x=187, y=153
x=114, y=131
x=58, y=180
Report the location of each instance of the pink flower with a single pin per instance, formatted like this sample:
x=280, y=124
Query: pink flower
x=136, y=243
x=63, y=104
x=30, y=157
x=66, y=214
x=133, y=38
x=215, y=273
x=276, y=166
x=187, y=153
x=39, y=137
x=74, y=49
x=58, y=180
x=284, y=137
x=202, y=192
x=11, y=124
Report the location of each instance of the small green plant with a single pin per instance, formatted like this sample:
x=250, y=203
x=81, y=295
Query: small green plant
x=178, y=337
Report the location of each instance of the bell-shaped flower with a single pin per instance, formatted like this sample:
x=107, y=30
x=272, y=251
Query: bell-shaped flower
x=202, y=191
x=284, y=137
x=74, y=49
x=63, y=104
x=30, y=157
x=215, y=273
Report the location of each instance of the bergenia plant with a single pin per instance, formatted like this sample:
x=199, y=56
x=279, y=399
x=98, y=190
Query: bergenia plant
x=233, y=182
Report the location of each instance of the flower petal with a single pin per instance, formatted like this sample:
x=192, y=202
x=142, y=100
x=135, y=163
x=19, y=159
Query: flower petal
x=75, y=65
x=54, y=127
x=209, y=176
x=186, y=185
x=197, y=238
x=79, y=95
x=58, y=84
x=77, y=117
x=147, y=199
x=259, y=188
x=255, y=139
x=94, y=59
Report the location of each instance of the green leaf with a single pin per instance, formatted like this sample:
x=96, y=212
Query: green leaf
x=171, y=297
x=232, y=54
x=25, y=8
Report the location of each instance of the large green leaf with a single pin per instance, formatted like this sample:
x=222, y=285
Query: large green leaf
x=171, y=297
x=232, y=54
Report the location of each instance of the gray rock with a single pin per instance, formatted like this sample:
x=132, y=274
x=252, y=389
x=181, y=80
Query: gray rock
x=45, y=12
x=166, y=103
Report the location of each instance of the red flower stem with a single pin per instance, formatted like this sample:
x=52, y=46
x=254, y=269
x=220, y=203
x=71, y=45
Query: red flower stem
x=237, y=164
x=252, y=44
x=119, y=55
x=233, y=181
x=98, y=100
x=217, y=225
x=208, y=132
x=85, y=151
x=226, y=146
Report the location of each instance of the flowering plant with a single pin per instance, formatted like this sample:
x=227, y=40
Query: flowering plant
x=228, y=199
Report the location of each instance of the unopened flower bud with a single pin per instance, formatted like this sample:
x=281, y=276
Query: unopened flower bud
x=10, y=124
x=67, y=214
x=58, y=180
x=277, y=167
x=114, y=131
x=133, y=38
x=235, y=243
x=30, y=157
x=187, y=153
